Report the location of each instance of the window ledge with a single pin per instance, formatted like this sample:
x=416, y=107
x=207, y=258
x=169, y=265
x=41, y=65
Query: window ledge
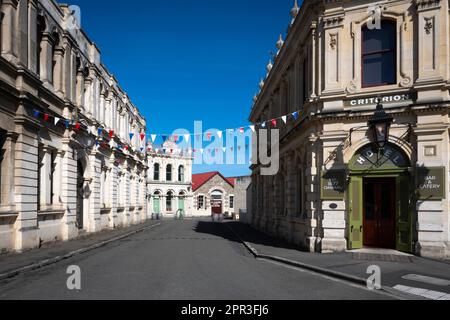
x=49, y=210
x=6, y=210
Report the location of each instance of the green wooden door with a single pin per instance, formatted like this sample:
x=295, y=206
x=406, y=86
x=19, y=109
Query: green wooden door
x=355, y=237
x=404, y=214
x=156, y=205
x=181, y=205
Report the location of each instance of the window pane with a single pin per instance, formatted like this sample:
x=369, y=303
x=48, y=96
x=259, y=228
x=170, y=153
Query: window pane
x=379, y=39
x=379, y=69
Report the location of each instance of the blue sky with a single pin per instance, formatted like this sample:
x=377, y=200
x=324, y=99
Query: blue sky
x=182, y=61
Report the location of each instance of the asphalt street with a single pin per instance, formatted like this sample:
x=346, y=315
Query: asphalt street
x=179, y=260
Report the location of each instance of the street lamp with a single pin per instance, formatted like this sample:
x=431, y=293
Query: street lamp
x=380, y=124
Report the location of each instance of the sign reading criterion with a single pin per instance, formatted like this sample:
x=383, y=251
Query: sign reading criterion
x=408, y=97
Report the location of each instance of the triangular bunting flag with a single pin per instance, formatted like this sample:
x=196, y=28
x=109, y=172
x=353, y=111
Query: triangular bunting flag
x=164, y=137
x=208, y=136
x=46, y=117
x=100, y=131
x=219, y=134
x=253, y=128
x=153, y=136
x=274, y=122
x=224, y=150
x=263, y=124
x=56, y=120
x=131, y=136
x=36, y=113
x=142, y=136
x=284, y=118
x=241, y=130
x=186, y=137
x=111, y=133
x=295, y=115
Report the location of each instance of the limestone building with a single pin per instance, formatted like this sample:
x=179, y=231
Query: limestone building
x=213, y=194
x=169, y=182
x=338, y=188
x=68, y=161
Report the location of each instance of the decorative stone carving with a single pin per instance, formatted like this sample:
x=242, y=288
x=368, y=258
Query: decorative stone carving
x=351, y=87
x=333, y=41
x=428, y=25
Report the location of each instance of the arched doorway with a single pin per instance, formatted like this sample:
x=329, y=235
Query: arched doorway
x=379, y=199
x=80, y=194
x=157, y=203
x=217, y=202
x=181, y=202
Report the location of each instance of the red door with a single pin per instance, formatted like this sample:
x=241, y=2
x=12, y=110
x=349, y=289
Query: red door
x=217, y=207
x=379, y=212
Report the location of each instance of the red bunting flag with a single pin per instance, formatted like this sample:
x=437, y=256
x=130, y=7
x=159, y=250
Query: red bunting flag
x=208, y=136
x=142, y=136
x=241, y=130
x=111, y=133
x=274, y=122
x=175, y=138
x=126, y=148
x=46, y=116
x=77, y=126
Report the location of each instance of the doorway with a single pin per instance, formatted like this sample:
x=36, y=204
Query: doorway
x=379, y=212
x=216, y=202
x=80, y=195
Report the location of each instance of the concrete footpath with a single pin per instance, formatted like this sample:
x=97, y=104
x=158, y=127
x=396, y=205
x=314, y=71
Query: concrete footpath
x=408, y=274
x=12, y=264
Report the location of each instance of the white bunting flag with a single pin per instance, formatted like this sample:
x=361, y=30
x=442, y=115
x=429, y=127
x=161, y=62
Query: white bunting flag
x=156, y=150
x=224, y=150
x=284, y=118
x=186, y=137
x=57, y=120
x=201, y=151
x=219, y=134
x=153, y=137
x=253, y=128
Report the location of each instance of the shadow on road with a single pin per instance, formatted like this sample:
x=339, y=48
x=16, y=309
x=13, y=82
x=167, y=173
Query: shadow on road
x=245, y=232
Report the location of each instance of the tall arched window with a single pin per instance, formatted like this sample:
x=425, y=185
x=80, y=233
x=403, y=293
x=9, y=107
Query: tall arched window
x=379, y=55
x=169, y=172
x=181, y=174
x=156, y=172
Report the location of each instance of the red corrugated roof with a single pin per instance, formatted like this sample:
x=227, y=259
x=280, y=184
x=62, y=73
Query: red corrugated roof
x=200, y=179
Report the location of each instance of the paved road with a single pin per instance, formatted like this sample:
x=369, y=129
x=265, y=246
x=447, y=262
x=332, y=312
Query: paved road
x=185, y=260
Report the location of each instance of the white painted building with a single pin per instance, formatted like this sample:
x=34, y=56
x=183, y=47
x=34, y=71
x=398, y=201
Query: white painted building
x=169, y=182
x=56, y=100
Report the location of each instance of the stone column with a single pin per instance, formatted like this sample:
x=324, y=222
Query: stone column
x=68, y=190
x=126, y=191
x=312, y=192
x=21, y=45
x=46, y=59
x=58, y=70
x=7, y=172
x=111, y=193
x=26, y=186
x=9, y=32
x=94, y=199
x=45, y=196
x=79, y=91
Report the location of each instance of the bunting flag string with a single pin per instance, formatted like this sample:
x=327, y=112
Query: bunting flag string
x=208, y=135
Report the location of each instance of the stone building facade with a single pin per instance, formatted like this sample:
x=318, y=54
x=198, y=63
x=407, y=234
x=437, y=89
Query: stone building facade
x=56, y=100
x=333, y=192
x=169, y=182
x=241, y=185
x=213, y=194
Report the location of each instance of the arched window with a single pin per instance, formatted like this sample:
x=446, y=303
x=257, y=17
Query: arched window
x=169, y=172
x=181, y=174
x=169, y=200
x=156, y=172
x=379, y=55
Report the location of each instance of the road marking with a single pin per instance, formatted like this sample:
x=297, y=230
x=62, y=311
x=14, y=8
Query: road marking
x=428, y=280
x=387, y=294
x=425, y=293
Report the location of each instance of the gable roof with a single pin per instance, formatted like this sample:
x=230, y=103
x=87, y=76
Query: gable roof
x=200, y=179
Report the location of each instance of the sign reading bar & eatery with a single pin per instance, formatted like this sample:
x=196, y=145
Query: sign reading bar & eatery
x=431, y=183
x=333, y=185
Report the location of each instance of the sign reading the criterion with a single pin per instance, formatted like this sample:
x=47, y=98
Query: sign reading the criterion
x=333, y=185
x=431, y=183
x=405, y=97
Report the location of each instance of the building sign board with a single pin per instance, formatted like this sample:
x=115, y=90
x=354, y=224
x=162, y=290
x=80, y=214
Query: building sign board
x=431, y=183
x=333, y=185
x=397, y=98
x=368, y=158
